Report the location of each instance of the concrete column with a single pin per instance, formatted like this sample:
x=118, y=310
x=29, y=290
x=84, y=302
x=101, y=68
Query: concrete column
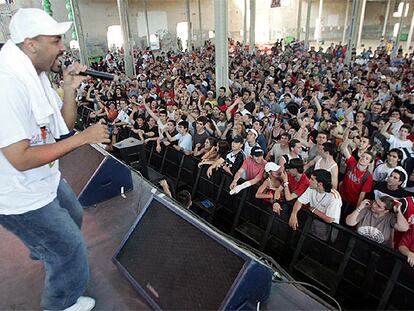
x=410, y=33
x=190, y=39
x=147, y=23
x=397, y=41
x=126, y=36
x=83, y=52
x=298, y=22
x=222, y=50
x=200, y=26
x=387, y=12
x=245, y=24
x=346, y=21
x=361, y=22
x=252, y=35
x=308, y=15
x=318, y=26
x=352, y=31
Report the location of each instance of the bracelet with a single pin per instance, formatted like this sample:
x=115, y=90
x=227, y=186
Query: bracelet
x=359, y=210
x=285, y=184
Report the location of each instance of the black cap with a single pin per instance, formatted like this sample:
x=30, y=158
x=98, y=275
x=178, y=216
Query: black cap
x=256, y=151
x=294, y=163
x=238, y=139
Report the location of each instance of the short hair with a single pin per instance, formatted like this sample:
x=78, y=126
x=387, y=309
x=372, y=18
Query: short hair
x=286, y=134
x=172, y=121
x=330, y=148
x=184, y=197
x=292, y=143
x=222, y=88
x=398, y=152
x=202, y=119
x=184, y=124
x=324, y=177
x=223, y=148
x=389, y=203
x=401, y=174
x=407, y=127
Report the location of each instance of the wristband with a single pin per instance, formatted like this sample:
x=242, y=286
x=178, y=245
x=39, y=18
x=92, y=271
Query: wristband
x=359, y=210
x=313, y=210
x=285, y=184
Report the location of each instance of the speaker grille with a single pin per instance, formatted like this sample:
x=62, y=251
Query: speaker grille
x=177, y=264
x=78, y=166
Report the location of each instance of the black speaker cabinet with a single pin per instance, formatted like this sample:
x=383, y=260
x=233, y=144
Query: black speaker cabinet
x=94, y=174
x=132, y=152
x=177, y=262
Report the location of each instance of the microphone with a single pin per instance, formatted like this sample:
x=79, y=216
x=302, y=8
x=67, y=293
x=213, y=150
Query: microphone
x=98, y=74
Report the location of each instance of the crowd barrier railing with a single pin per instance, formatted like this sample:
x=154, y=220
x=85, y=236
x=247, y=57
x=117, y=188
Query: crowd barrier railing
x=356, y=270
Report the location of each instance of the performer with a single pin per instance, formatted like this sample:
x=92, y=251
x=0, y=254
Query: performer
x=35, y=203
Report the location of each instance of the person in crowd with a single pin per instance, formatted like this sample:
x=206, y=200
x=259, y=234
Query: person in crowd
x=295, y=149
x=406, y=246
x=399, y=141
x=251, y=170
x=392, y=186
x=251, y=141
x=184, y=139
x=271, y=189
x=234, y=159
x=357, y=182
x=378, y=219
x=279, y=149
x=393, y=161
x=323, y=201
x=295, y=181
x=326, y=161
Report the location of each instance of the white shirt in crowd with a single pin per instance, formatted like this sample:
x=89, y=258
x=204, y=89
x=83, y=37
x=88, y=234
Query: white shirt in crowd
x=185, y=141
x=328, y=203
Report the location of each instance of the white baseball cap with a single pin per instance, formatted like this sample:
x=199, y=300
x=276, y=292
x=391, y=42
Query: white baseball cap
x=31, y=22
x=271, y=167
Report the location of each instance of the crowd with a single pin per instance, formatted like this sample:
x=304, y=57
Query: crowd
x=302, y=125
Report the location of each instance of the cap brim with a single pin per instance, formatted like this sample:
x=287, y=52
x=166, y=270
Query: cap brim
x=59, y=29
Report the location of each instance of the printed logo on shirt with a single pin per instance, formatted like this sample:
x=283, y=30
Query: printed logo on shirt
x=354, y=178
x=372, y=233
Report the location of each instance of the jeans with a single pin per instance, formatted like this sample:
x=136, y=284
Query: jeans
x=52, y=234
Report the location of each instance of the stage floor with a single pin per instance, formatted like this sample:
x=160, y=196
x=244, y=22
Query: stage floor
x=104, y=226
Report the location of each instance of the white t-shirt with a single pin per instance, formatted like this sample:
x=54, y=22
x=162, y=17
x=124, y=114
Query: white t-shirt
x=185, y=141
x=328, y=203
x=123, y=117
x=32, y=189
x=395, y=127
x=396, y=142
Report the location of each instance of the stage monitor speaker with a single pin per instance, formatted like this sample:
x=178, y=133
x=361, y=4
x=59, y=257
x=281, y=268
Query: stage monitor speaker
x=94, y=175
x=177, y=262
x=132, y=152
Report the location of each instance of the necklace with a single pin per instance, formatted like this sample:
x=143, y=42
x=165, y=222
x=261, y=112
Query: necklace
x=318, y=202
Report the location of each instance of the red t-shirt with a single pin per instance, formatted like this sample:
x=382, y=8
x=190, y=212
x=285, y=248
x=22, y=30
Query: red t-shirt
x=407, y=209
x=298, y=187
x=352, y=183
x=253, y=169
x=408, y=240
